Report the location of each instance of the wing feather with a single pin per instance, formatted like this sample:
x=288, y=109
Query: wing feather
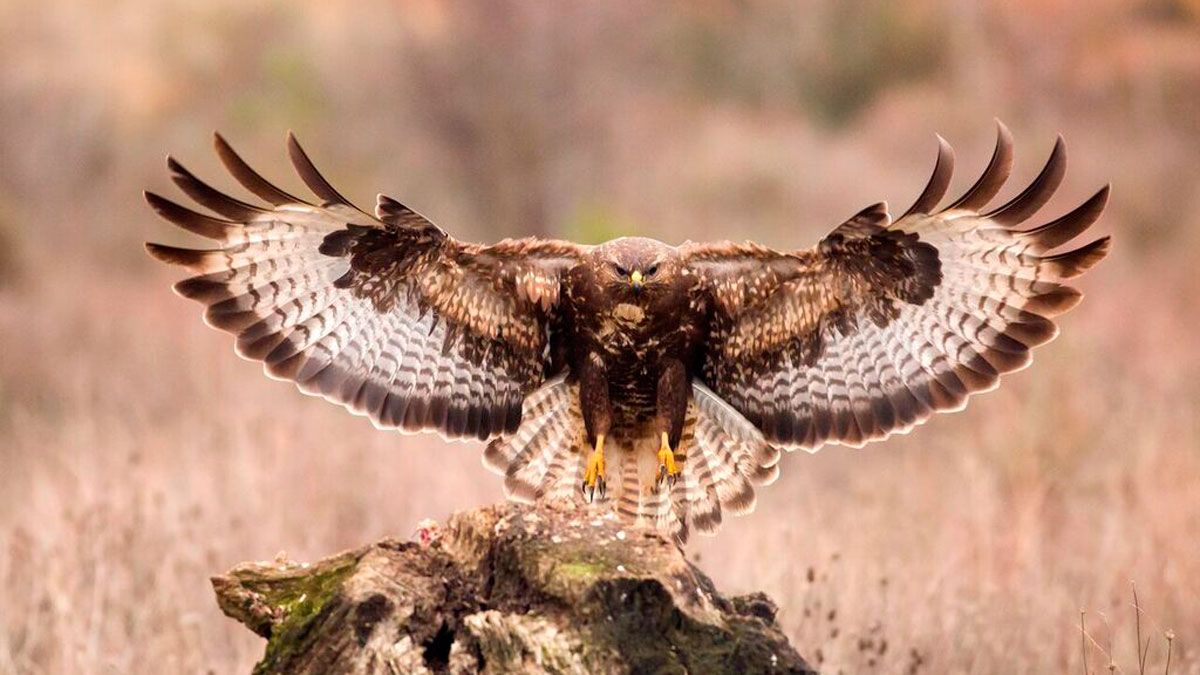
x=985, y=188
x=249, y=178
x=387, y=316
x=884, y=323
x=939, y=181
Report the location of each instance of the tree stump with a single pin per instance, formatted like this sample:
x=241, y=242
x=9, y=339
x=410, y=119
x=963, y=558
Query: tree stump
x=550, y=588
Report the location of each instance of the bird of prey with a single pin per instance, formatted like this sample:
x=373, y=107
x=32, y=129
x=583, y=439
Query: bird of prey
x=663, y=379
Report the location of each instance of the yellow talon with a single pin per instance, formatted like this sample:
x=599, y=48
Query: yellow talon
x=593, y=476
x=666, y=460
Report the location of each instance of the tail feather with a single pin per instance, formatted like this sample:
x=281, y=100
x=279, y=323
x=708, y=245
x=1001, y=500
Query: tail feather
x=564, y=475
x=541, y=445
x=626, y=492
x=721, y=458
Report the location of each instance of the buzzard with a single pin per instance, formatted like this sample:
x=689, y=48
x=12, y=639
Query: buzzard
x=663, y=379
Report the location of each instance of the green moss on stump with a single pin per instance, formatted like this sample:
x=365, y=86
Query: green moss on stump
x=299, y=602
x=542, y=589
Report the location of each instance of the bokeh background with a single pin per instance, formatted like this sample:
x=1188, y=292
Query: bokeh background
x=138, y=456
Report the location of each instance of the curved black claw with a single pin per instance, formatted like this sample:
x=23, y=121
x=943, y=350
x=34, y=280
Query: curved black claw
x=665, y=476
x=590, y=491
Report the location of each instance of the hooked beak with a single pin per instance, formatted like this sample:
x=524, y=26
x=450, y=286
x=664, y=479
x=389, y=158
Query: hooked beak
x=635, y=280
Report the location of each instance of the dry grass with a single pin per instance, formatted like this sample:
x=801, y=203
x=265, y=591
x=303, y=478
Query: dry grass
x=138, y=455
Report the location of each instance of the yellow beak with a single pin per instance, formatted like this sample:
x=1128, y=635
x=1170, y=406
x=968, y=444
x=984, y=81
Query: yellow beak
x=635, y=279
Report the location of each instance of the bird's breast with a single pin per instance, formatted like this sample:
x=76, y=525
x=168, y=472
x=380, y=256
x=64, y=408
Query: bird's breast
x=628, y=314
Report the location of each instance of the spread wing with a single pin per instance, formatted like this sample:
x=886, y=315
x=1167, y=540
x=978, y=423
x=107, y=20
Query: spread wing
x=385, y=314
x=884, y=323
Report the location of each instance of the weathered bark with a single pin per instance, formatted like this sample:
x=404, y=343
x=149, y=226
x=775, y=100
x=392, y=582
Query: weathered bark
x=506, y=588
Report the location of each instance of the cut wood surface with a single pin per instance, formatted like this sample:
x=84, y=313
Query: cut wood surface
x=552, y=588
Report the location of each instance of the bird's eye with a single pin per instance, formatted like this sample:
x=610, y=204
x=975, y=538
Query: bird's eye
x=621, y=270
x=651, y=270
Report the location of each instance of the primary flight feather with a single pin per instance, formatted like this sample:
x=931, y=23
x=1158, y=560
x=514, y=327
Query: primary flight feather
x=663, y=378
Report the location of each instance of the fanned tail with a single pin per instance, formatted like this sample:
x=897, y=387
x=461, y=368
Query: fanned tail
x=721, y=458
x=543, y=457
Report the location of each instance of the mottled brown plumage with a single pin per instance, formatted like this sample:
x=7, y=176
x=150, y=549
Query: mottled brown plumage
x=694, y=364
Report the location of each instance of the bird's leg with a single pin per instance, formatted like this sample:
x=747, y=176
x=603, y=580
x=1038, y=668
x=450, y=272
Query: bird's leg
x=674, y=389
x=597, y=420
x=667, y=470
x=593, y=476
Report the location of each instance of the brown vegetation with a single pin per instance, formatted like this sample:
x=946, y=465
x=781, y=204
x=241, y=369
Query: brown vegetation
x=138, y=455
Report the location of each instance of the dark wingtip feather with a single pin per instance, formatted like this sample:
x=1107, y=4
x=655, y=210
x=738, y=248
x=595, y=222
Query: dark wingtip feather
x=198, y=223
x=248, y=177
x=158, y=251
x=939, y=180
x=946, y=397
x=173, y=255
x=309, y=174
x=1074, y=263
x=255, y=349
x=977, y=374
x=203, y=289
x=1033, y=331
x=286, y=369
x=394, y=406
x=992, y=179
x=1066, y=227
x=1034, y=197
x=1055, y=301
x=1029, y=336
x=208, y=196
x=1007, y=362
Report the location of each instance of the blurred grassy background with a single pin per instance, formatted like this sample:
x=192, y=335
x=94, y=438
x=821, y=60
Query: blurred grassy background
x=138, y=455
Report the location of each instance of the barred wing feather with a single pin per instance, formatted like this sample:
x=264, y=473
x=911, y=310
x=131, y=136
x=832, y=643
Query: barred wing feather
x=884, y=323
x=384, y=314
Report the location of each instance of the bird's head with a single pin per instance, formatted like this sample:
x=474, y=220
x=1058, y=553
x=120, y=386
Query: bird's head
x=635, y=266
